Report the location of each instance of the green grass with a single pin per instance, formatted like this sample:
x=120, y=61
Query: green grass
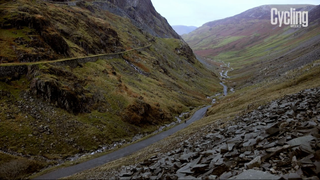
x=226, y=41
x=230, y=55
x=15, y=33
x=12, y=167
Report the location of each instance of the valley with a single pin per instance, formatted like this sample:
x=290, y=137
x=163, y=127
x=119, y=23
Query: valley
x=268, y=73
x=108, y=89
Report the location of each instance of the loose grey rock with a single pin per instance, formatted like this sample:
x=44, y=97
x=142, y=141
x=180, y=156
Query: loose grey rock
x=255, y=174
x=282, y=138
x=256, y=162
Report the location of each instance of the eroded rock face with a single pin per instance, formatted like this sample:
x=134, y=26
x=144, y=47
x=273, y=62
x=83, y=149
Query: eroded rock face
x=143, y=15
x=67, y=94
x=280, y=140
x=142, y=113
x=45, y=29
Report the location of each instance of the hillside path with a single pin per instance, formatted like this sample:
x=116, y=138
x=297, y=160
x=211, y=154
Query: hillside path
x=67, y=171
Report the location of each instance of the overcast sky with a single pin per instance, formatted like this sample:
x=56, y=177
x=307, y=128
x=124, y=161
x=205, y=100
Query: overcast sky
x=198, y=12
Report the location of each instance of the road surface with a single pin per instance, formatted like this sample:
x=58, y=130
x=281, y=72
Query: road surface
x=67, y=171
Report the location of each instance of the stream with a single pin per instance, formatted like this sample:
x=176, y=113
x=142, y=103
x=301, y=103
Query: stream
x=225, y=89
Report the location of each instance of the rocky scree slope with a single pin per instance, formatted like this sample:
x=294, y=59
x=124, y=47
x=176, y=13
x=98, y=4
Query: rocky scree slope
x=278, y=140
x=56, y=111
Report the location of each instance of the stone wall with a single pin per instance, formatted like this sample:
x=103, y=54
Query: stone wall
x=19, y=70
x=69, y=3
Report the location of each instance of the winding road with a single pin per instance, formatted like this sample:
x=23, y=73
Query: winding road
x=67, y=171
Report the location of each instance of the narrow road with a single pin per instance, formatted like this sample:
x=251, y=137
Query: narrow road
x=67, y=171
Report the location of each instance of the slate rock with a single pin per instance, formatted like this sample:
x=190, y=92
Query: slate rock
x=200, y=168
x=303, y=142
x=292, y=176
x=273, y=130
x=255, y=174
x=256, y=162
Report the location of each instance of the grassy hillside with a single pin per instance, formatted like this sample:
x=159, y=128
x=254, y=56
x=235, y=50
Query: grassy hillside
x=256, y=49
x=56, y=111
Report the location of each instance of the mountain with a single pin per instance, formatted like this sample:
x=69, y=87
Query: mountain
x=78, y=76
x=257, y=49
x=180, y=29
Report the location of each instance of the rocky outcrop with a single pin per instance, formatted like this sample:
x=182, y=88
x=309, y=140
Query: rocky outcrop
x=279, y=140
x=142, y=113
x=142, y=14
x=62, y=89
x=12, y=72
x=186, y=51
x=44, y=27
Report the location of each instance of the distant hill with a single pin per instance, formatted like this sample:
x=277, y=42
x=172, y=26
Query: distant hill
x=180, y=29
x=249, y=40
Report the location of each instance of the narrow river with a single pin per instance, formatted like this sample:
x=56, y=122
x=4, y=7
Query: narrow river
x=225, y=89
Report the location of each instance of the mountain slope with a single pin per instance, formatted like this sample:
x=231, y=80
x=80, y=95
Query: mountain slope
x=136, y=11
x=180, y=29
x=252, y=44
x=145, y=76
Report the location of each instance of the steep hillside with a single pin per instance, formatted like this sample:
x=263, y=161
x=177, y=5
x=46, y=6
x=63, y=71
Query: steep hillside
x=142, y=14
x=255, y=48
x=34, y=32
x=180, y=29
x=125, y=72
